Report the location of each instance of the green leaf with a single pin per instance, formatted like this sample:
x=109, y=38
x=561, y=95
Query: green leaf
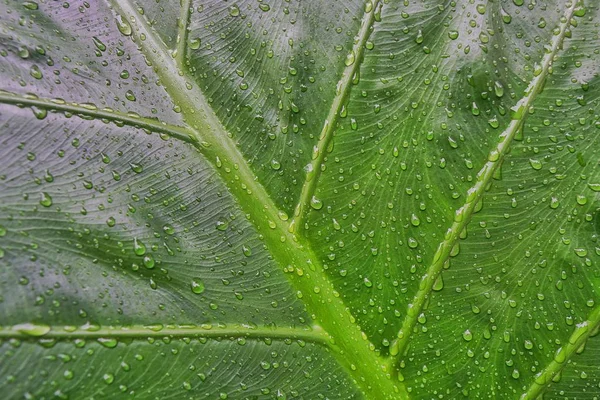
x=281, y=199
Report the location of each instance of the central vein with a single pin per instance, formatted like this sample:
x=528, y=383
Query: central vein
x=351, y=348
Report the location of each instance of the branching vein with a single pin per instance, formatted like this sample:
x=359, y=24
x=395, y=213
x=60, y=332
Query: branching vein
x=34, y=331
x=104, y=114
x=474, y=195
x=353, y=62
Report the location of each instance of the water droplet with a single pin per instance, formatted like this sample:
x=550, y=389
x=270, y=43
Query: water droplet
x=149, y=261
x=108, y=378
x=32, y=329
x=412, y=243
x=45, y=199
x=139, y=248
x=98, y=43
x=39, y=113
x=234, y=11
x=195, y=44
x=535, y=163
x=316, y=203
x=108, y=342
x=123, y=25
x=498, y=89
x=350, y=58
x=581, y=200
x=506, y=18
x=221, y=224
x=246, y=251
x=594, y=186
x=467, y=335
x=36, y=72
x=414, y=220
x=419, y=38
x=137, y=168
x=275, y=165
x=494, y=123
x=30, y=5
x=197, y=286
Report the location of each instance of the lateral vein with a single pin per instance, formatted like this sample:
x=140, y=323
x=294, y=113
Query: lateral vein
x=182, y=35
x=343, y=88
x=37, y=331
x=87, y=110
x=578, y=338
x=475, y=193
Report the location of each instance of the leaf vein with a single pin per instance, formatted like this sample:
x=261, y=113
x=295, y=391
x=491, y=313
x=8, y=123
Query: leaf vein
x=83, y=110
x=343, y=88
x=475, y=194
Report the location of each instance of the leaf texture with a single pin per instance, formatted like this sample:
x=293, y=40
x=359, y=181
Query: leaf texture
x=289, y=199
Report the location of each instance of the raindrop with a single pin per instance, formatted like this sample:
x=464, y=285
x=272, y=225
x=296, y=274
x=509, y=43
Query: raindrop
x=197, y=286
x=139, y=248
x=98, y=43
x=316, y=203
x=467, y=335
x=535, y=164
x=45, y=199
x=123, y=25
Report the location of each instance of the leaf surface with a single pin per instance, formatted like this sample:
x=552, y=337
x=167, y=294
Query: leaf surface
x=299, y=199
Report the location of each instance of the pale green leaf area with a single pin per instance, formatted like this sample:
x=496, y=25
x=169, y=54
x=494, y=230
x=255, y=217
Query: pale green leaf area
x=299, y=199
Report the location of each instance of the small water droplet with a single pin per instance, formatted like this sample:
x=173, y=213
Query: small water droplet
x=45, y=199
x=123, y=25
x=535, y=163
x=197, y=286
x=32, y=329
x=316, y=203
x=467, y=335
x=98, y=43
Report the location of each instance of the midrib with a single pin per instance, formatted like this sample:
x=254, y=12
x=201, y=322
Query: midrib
x=353, y=350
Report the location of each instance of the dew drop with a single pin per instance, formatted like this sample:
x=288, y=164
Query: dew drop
x=221, y=224
x=98, y=43
x=467, y=335
x=36, y=72
x=32, y=329
x=137, y=168
x=123, y=25
x=535, y=163
x=108, y=342
x=594, y=186
x=197, y=286
x=45, y=199
x=139, y=248
x=234, y=11
x=316, y=203
x=350, y=58
x=30, y=5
